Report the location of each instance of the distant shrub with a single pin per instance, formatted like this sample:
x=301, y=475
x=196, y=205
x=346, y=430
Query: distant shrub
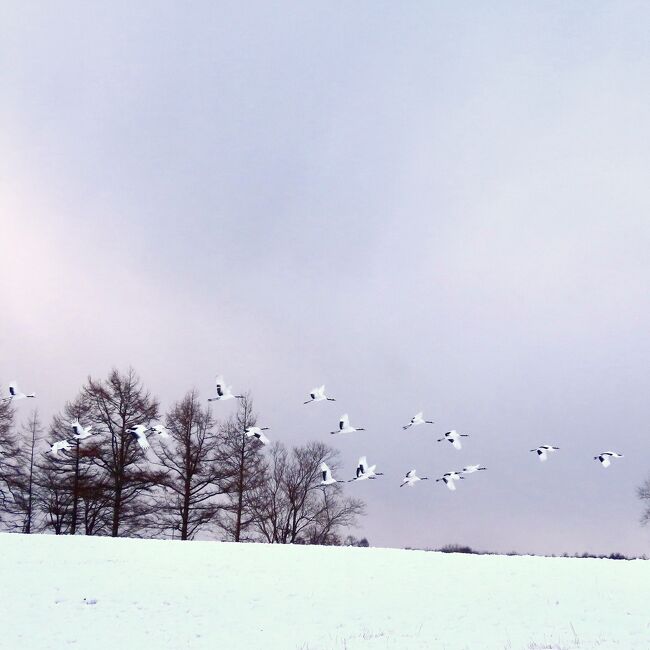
x=456, y=548
x=611, y=556
x=618, y=556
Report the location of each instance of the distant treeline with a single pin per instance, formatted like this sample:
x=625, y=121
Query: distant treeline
x=205, y=476
x=459, y=548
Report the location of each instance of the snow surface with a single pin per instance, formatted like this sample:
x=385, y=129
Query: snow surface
x=94, y=593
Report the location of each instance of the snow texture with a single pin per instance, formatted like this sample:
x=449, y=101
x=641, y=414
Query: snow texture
x=99, y=593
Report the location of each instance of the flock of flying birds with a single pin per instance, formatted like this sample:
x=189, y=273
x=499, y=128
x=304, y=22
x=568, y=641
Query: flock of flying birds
x=364, y=471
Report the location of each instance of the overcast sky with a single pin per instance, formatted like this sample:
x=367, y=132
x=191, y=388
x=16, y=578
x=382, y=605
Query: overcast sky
x=424, y=206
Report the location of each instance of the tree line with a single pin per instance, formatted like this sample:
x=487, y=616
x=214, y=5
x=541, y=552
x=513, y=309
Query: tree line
x=207, y=477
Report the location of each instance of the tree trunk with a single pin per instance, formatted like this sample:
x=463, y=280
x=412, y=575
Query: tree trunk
x=117, y=506
x=75, y=491
x=240, y=487
x=28, y=523
x=185, y=514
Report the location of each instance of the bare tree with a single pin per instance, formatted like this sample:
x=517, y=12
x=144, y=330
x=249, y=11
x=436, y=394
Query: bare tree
x=242, y=469
x=292, y=506
x=68, y=483
x=24, y=493
x=76, y=468
x=643, y=492
x=7, y=452
x=192, y=471
x=114, y=407
x=11, y=470
x=95, y=506
x=73, y=492
x=52, y=496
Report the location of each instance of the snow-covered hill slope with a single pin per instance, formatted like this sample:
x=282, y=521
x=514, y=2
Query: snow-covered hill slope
x=163, y=595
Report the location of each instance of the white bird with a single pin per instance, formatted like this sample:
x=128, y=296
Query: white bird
x=470, y=469
x=449, y=479
x=454, y=438
x=139, y=432
x=80, y=433
x=364, y=472
x=59, y=445
x=257, y=432
x=326, y=473
x=223, y=392
x=160, y=429
x=318, y=395
x=16, y=393
x=344, y=425
x=417, y=419
x=543, y=450
x=606, y=456
x=412, y=478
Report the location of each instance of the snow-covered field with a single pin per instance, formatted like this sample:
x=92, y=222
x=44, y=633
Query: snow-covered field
x=95, y=593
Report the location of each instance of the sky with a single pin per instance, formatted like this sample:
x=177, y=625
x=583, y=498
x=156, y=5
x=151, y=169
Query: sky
x=423, y=206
